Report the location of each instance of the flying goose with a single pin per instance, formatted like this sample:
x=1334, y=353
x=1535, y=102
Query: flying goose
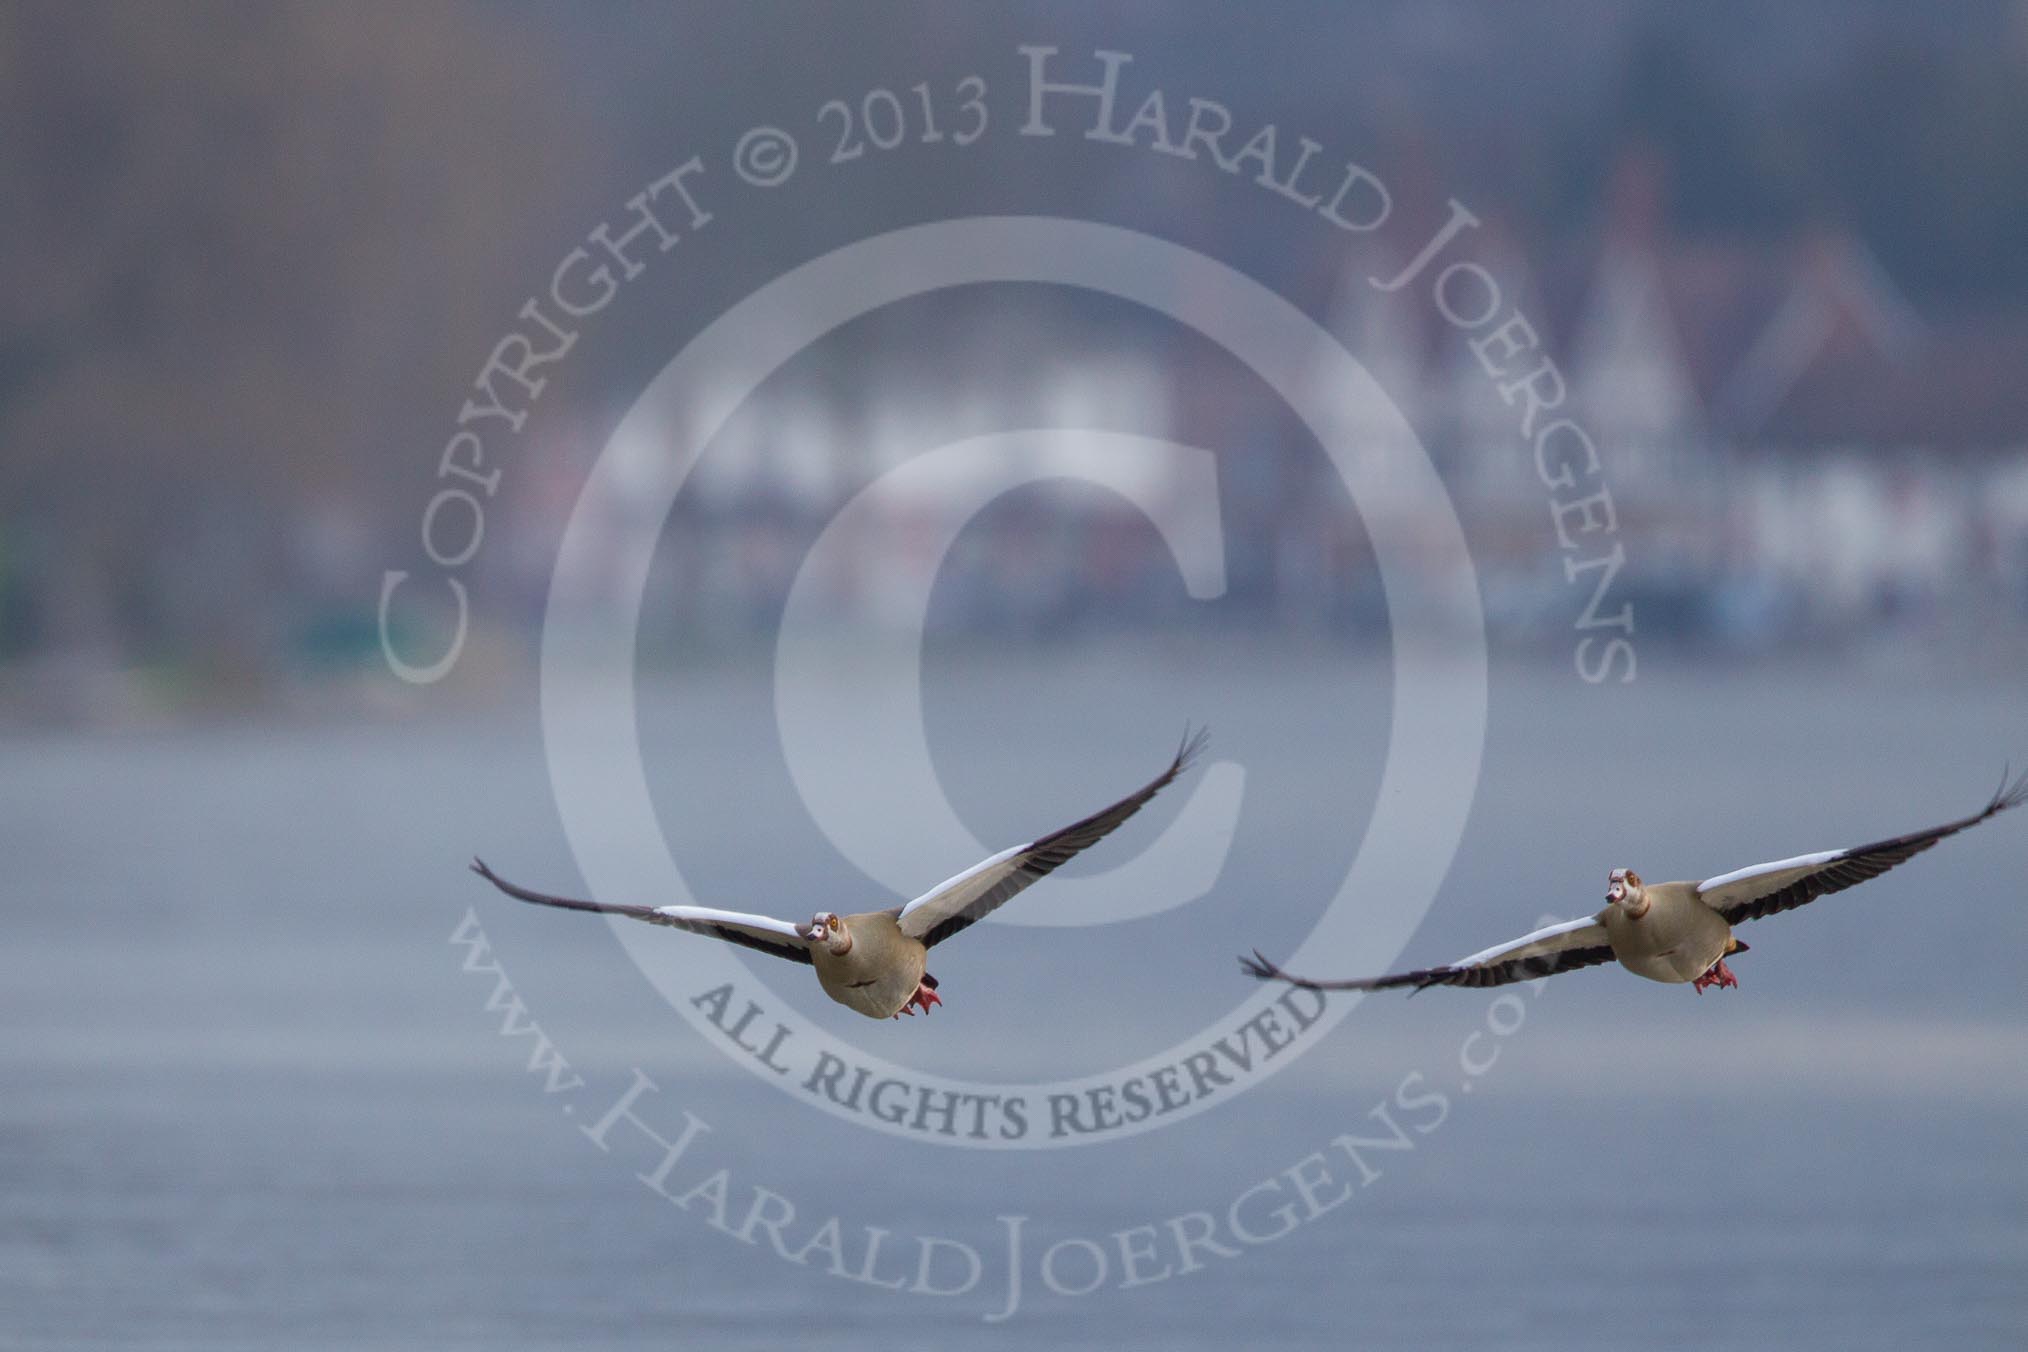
x=873, y=961
x=1669, y=931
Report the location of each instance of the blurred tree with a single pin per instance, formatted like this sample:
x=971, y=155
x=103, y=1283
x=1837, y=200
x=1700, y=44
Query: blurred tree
x=1921, y=144
x=1719, y=154
x=256, y=245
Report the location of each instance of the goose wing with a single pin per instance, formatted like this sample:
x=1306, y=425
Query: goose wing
x=1783, y=885
x=1561, y=947
x=981, y=889
x=762, y=932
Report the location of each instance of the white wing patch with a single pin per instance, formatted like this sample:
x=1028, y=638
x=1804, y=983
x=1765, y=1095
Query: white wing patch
x=705, y=915
x=952, y=894
x=1802, y=863
x=1539, y=936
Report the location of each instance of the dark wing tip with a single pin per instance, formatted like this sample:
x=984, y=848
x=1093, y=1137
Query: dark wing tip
x=1192, y=747
x=2011, y=793
x=1259, y=966
x=478, y=866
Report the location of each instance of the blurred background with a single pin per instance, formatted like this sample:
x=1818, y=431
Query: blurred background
x=253, y=259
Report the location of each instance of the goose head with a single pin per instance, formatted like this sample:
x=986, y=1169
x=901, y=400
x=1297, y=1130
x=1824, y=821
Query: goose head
x=1625, y=890
x=828, y=929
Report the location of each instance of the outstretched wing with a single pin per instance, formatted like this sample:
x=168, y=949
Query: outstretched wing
x=1560, y=947
x=762, y=932
x=1764, y=889
x=957, y=902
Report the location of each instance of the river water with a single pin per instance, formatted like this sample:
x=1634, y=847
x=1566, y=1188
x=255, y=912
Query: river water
x=252, y=1096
